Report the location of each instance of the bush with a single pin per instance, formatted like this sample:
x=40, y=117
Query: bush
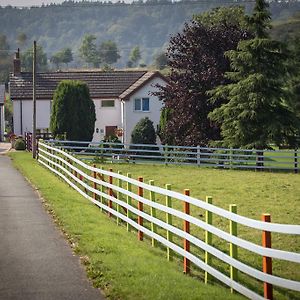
x=19, y=144
x=143, y=132
x=73, y=113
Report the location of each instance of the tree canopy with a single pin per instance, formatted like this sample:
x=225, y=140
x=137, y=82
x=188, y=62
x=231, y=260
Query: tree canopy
x=197, y=62
x=88, y=50
x=108, y=52
x=41, y=59
x=255, y=113
x=73, y=111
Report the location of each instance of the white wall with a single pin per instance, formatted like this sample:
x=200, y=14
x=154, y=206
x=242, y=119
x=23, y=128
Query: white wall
x=132, y=117
x=25, y=106
x=2, y=123
x=106, y=116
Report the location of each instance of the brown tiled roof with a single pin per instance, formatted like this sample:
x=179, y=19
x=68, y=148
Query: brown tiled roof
x=101, y=84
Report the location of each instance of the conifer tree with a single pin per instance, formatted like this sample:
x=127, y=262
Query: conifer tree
x=255, y=113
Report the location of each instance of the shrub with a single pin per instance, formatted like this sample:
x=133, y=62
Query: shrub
x=73, y=111
x=19, y=144
x=143, y=132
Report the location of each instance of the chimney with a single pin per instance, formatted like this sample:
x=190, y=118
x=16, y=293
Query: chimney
x=17, y=63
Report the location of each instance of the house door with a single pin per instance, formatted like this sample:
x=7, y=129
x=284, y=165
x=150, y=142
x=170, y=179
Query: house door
x=110, y=130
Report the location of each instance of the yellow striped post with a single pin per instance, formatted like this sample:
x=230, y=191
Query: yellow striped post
x=208, y=238
x=128, y=200
x=119, y=196
x=232, y=247
x=169, y=221
x=153, y=214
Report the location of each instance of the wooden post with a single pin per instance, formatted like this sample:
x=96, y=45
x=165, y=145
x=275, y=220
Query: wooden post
x=267, y=261
x=119, y=196
x=140, y=208
x=128, y=200
x=169, y=221
x=186, y=228
x=110, y=191
x=94, y=183
x=233, y=249
x=296, y=161
x=34, y=101
x=153, y=214
x=208, y=238
x=102, y=199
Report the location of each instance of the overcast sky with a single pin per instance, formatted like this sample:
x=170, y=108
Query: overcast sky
x=29, y=2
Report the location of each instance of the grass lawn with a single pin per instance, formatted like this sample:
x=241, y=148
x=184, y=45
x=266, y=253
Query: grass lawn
x=254, y=193
x=115, y=261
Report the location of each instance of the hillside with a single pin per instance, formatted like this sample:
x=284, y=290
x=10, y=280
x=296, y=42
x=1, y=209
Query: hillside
x=148, y=25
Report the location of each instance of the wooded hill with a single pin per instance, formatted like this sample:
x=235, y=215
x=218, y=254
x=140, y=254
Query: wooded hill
x=147, y=25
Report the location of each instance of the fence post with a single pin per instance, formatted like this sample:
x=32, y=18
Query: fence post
x=140, y=208
x=198, y=156
x=186, y=228
x=267, y=261
x=260, y=160
x=94, y=183
x=208, y=238
x=296, y=161
x=128, y=200
x=169, y=221
x=110, y=191
x=102, y=189
x=166, y=154
x=153, y=214
x=232, y=247
x=119, y=196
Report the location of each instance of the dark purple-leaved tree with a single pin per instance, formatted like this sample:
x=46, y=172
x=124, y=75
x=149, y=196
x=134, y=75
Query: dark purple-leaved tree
x=197, y=64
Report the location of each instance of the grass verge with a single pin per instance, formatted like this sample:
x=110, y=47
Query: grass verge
x=115, y=261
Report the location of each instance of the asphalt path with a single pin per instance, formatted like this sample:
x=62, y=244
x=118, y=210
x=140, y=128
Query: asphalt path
x=36, y=261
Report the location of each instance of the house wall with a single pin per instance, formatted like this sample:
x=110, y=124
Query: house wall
x=2, y=122
x=106, y=116
x=23, y=113
x=131, y=117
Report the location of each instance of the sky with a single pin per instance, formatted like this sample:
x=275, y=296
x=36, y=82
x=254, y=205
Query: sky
x=28, y=2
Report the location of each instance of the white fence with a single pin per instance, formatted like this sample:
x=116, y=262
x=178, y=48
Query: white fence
x=285, y=160
x=89, y=181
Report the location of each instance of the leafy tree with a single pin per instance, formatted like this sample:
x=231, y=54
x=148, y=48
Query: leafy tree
x=135, y=56
x=197, y=62
x=108, y=52
x=88, y=50
x=255, y=113
x=164, y=118
x=21, y=39
x=41, y=59
x=144, y=132
x=63, y=56
x=5, y=59
x=8, y=114
x=294, y=83
x=161, y=61
x=73, y=111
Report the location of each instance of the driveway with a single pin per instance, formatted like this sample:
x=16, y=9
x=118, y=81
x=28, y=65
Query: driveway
x=36, y=262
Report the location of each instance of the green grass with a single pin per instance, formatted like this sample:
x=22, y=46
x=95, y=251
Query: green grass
x=115, y=261
x=254, y=193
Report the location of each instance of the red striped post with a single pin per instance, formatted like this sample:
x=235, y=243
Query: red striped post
x=110, y=191
x=267, y=261
x=140, y=208
x=186, y=228
x=94, y=183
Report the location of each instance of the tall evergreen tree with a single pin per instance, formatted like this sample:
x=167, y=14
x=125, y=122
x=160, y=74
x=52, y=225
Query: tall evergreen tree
x=255, y=113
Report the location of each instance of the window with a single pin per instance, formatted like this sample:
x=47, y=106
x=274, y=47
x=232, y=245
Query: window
x=141, y=104
x=108, y=103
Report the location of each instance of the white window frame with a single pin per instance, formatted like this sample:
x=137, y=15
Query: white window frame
x=141, y=104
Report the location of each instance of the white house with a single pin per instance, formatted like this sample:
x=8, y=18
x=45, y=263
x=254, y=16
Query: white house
x=2, y=118
x=121, y=99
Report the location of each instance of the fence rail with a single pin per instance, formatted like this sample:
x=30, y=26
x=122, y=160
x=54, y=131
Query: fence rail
x=285, y=160
x=117, y=200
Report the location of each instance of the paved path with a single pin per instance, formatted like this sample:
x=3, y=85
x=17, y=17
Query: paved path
x=4, y=147
x=36, y=262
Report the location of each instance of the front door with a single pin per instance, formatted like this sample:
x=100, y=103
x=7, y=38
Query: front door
x=110, y=131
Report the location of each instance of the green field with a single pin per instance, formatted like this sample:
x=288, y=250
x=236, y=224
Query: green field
x=254, y=193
